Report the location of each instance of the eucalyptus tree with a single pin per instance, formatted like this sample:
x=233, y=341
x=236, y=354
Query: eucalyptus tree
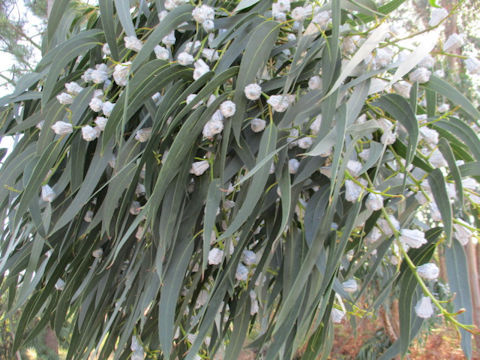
x=193, y=178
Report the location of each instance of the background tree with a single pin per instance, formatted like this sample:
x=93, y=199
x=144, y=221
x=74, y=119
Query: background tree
x=21, y=25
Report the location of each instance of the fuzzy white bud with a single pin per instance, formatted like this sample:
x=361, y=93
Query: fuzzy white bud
x=257, y=125
x=143, y=135
x=90, y=133
x=62, y=128
x=227, y=108
x=132, y=43
x=120, y=73
x=428, y=271
x=73, y=88
x=424, y=308
x=350, y=286
x=253, y=91
x=48, y=194
x=64, y=98
x=215, y=256
x=199, y=167
x=412, y=238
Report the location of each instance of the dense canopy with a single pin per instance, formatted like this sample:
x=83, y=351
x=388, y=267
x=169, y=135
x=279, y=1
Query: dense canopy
x=192, y=177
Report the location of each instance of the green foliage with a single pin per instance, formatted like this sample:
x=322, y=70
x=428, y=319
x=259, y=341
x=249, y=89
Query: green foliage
x=178, y=225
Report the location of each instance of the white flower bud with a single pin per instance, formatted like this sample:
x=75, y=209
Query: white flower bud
x=364, y=154
x=443, y=108
x=199, y=167
x=169, y=39
x=215, y=256
x=293, y=165
x=64, y=98
x=284, y=5
x=388, y=137
x=385, y=226
x=210, y=54
x=135, y=208
x=99, y=75
x=383, y=57
x=428, y=271
x=421, y=75
x=254, y=307
x=88, y=216
x=316, y=124
x=453, y=42
x=96, y=104
x=62, y=128
x=185, y=59
x=208, y=25
x=202, y=13
x=257, y=125
x=107, y=108
x=424, y=308
x=322, y=19
x=422, y=118
x=48, y=194
x=412, y=238
x=97, y=253
x=211, y=99
x=337, y=315
x=213, y=127
x=120, y=74
x=352, y=190
x=201, y=68
x=429, y=135
x=227, y=108
x=73, y=88
x=253, y=91
x=472, y=65
x=89, y=133
x=402, y=88
x=249, y=257
x=278, y=103
x=278, y=14
x=101, y=122
x=437, y=159
x=315, y=82
x=350, y=44
x=350, y=286
x=143, y=135
x=427, y=62
x=299, y=13
x=354, y=167
x=201, y=299
x=437, y=15
x=60, y=285
x=192, y=47
x=305, y=142
x=374, y=202
x=132, y=43
x=106, y=49
x=373, y=235
x=161, y=52
x=242, y=273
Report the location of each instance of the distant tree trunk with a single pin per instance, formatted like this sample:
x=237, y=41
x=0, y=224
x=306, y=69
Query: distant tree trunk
x=455, y=67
